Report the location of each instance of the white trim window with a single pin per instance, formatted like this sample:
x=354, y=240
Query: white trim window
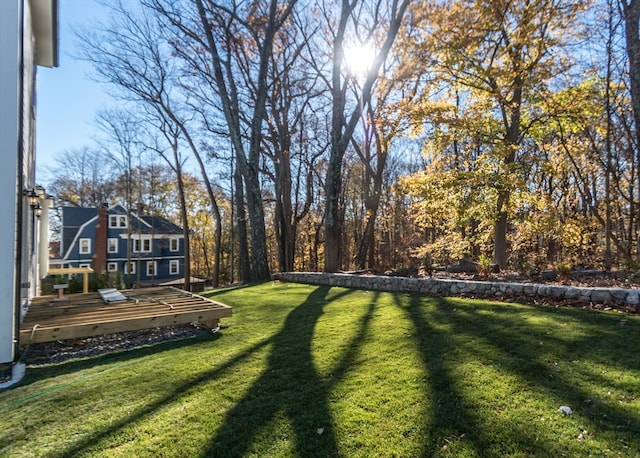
x=141, y=245
x=112, y=245
x=174, y=267
x=132, y=266
x=117, y=221
x=152, y=268
x=174, y=244
x=112, y=267
x=84, y=246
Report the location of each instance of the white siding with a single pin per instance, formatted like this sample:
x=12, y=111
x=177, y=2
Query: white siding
x=10, y=14
x=17, y=115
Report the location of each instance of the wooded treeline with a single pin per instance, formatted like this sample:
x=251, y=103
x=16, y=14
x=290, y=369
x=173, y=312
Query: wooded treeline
x=344, y=134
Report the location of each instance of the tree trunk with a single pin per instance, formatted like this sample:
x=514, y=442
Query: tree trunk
x=185, y=225
x=284, y=220
x=631, y=11
x=244, y=269
x=500, y=230
x=333, y=221
x=342, y=128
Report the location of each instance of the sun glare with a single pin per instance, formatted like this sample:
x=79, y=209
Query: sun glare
x=358, y=59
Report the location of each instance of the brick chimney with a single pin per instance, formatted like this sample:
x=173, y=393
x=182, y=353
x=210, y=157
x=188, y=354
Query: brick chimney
x=100, y=257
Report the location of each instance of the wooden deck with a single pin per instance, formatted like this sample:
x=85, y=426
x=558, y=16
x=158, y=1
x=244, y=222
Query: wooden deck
x=86, y=315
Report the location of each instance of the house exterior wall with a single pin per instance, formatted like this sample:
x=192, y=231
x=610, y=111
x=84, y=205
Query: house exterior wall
x=19, y=228
x=10, y=136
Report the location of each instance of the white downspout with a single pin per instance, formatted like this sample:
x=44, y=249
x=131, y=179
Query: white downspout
x=17, y=374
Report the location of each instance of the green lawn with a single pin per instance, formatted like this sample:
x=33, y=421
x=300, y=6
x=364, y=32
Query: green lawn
x=316, y=371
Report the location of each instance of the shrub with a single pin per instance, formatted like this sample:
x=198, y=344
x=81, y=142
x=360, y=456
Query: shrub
x=630, y=265
x=485, y=266
x=427, y=265
x=564, y=271
x=104, y=279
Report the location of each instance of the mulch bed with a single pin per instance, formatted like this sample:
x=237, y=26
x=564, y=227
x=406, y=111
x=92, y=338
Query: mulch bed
x=62, y=350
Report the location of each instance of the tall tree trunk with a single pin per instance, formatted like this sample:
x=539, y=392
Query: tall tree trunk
x=284, y=220
x=631, y=12
x=609, y=167
x=342, y=128
x=185, y=221
x=333, y=221
x=500, y=230
x=244, y=269
x=248, y=164
x=372, y=192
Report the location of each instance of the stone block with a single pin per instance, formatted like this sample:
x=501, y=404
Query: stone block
x=633, y=298
x=618, y=294
x=601, y=295
x=571, y=292
x=517, y=288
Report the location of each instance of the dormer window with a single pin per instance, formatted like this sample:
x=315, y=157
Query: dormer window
x=117, y=221
x=85, y=246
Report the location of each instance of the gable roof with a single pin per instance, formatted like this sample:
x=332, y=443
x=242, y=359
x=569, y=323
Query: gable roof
x=161, y=225
x=77, y=216
x=73, y=218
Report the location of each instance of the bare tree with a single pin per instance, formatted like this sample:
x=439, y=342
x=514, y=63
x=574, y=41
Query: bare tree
x=293, y=102
x=121, y=146
x=631, y=14
x=82, y=178
x=239, y=40
x=356, y=18
x=132, y=54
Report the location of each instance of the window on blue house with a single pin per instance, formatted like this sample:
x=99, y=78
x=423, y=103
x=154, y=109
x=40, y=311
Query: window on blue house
x=112, y=245
x=174, y=244
x=112, y=266
x=85, y=246
x=174, y=267
x=117, y=221
x=152, y=267
x=141, y=245
x=132, y=268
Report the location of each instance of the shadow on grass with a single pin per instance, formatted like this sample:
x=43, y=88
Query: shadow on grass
x=450, y=419
x=88, y=442
x=539, y=359
x=291, y=386
x=498, y=339
x=42, y=372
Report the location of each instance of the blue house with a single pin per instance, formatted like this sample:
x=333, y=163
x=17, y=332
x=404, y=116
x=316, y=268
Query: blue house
x=146, y=250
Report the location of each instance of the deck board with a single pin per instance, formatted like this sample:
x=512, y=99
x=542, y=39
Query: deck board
x=87, y=315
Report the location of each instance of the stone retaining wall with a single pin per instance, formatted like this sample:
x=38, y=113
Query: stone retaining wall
x=628, y=299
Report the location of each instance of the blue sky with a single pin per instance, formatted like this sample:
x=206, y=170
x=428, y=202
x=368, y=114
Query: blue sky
x=67, y=99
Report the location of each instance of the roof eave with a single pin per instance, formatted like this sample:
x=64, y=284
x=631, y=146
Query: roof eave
x=44, y=15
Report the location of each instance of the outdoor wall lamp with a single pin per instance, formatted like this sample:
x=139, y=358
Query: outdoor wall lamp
x=34, y=201
x=32, y=195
